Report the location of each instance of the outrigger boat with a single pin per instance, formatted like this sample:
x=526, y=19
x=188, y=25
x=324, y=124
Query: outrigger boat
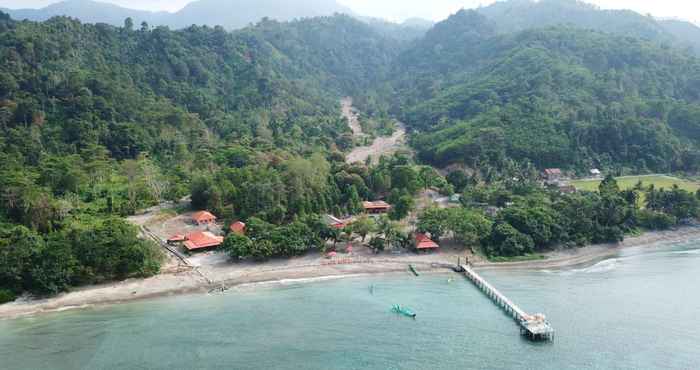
x=403, y=311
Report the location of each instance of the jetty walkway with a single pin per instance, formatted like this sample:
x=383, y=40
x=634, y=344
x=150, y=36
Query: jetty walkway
x=534, y=327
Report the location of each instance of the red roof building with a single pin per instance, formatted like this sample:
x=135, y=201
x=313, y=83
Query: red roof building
x=203, y=218
x=334, y=222
x=423, y=242
x=202, y=240
x=376, y=208
x=238, y=228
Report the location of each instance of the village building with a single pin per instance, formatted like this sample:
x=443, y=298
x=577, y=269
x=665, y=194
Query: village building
x=553, y=174
x=203, y=218
x=424, y=243
x=334, y=222
x=238, y=228
x=376, y=208
x=596, y=173
x=202, y=240
x=567, y=189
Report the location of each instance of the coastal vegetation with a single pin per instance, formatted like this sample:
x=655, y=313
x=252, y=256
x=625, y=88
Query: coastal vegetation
x=98, y=122
x=529, y=220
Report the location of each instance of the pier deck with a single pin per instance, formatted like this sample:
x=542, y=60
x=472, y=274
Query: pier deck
x=534, y=327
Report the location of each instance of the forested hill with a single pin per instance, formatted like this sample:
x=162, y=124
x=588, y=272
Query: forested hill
x=560, y=97
x=98, y=121
x=518, y=15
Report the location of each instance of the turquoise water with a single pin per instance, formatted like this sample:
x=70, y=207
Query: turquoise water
x=638, y=311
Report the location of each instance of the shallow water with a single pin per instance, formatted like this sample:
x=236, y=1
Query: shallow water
x=636, y=311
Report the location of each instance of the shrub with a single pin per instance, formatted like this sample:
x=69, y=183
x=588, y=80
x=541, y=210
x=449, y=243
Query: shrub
x=6, y=296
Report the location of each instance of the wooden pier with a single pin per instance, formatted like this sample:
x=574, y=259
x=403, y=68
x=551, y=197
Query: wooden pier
x=534, y=327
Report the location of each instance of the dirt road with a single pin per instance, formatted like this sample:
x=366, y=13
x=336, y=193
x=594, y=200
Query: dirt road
x=380, y=146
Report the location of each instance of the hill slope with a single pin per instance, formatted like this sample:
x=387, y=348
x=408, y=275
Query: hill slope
x=518, y=15
x=559, y=96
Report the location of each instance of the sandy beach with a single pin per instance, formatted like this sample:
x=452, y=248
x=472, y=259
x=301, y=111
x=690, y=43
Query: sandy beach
x=212, y=276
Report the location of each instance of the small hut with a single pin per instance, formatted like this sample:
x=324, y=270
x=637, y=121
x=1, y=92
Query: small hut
x=376, y=208
x=203, y=218
x=425, y=244
x=238, y=228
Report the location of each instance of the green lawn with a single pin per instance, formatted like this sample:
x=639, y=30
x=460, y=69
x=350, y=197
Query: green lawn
x=628, y=182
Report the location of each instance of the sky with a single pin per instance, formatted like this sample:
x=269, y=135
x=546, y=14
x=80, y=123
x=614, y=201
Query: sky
x=398, y=10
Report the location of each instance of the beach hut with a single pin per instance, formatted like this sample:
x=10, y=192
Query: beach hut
x=203, y=218
x=425, y=244
x=202, y=240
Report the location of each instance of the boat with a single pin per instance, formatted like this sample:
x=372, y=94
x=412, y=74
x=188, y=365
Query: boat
x=403, y=311
x=413, y=270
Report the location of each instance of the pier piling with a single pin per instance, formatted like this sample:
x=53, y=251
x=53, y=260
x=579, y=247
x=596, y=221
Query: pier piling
x=534, y=327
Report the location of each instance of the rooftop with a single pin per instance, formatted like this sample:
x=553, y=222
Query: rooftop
x=203, y=216
x=202, y=240
x=376, y=205
x=424, y=242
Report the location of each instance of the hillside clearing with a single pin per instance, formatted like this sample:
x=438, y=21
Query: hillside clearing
x=629, y=182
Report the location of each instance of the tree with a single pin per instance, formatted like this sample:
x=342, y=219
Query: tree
x=354, y=202
x=434, y=221
x=201, y=192
x=468, y=226
x=405, y=177
x=390, y=233
x=363, y=226
x=237, y=246
x=458, y=179
x=401, y=208
x=507, y=241
x=128, y=24
x=609, y=186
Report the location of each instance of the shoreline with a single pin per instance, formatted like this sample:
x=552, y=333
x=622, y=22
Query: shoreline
x=252, y=276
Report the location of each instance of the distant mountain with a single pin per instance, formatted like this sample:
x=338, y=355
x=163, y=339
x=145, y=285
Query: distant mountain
x=231, y=14
x=89, y=11
x=410, y=29
x=518, y=15
x=686, y=32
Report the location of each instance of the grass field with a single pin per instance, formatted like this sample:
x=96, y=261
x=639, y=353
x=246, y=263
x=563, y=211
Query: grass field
x=628, y=182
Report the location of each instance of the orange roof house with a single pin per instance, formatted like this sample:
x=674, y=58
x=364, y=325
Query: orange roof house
x=423, y=242
x=378, y=207
x=202, y=240
x=203, y=217
x=238, y=227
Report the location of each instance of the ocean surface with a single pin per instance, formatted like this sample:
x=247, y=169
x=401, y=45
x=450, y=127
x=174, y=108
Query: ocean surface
x=640, y=310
